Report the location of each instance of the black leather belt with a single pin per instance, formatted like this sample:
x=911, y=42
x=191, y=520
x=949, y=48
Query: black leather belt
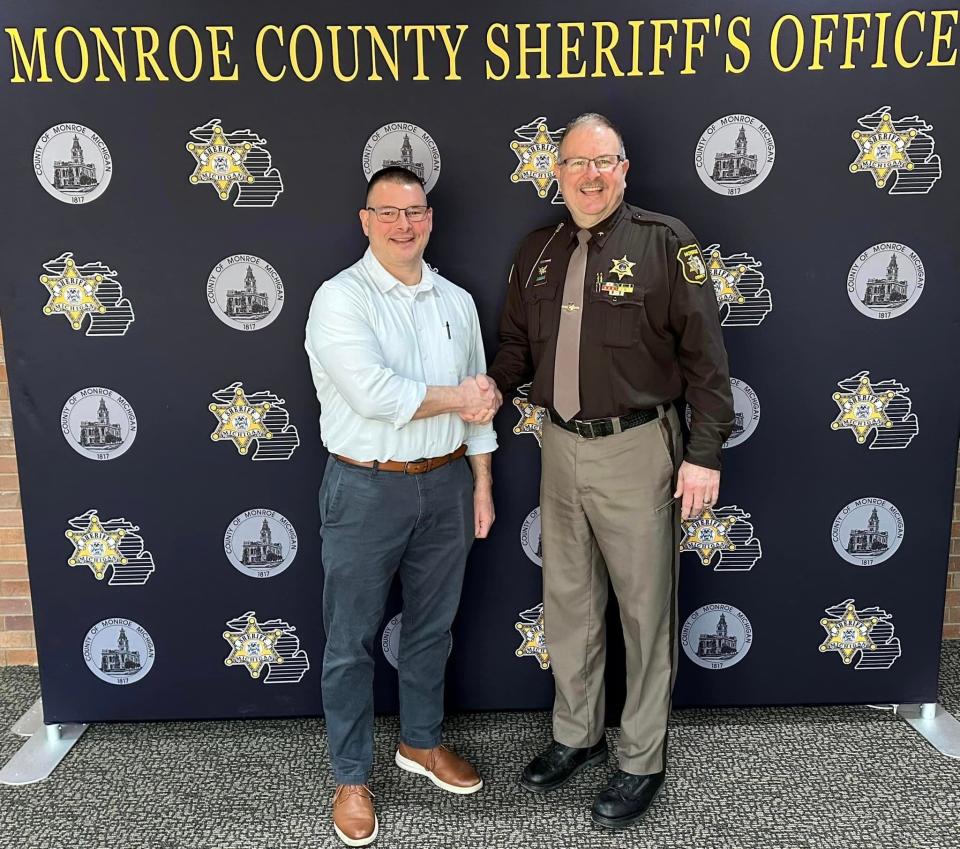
x=594, y=428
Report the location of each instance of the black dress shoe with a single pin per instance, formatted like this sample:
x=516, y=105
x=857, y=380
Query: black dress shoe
x=625, y=798
x=556, y=765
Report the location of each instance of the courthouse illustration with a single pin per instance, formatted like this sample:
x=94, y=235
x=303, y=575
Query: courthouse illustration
x=75, y=174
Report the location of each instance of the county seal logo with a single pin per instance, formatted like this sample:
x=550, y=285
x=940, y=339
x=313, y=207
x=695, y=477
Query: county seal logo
x=88, y=289
x=531, y=538
x=532, y=642
x=746, y=412
x=882, y=408
x=245, y=292
x=272, y=644
x=716, y=636
x=238, y=158
x=537, y=148
x=390, y=641
x=886, y=280
x=867, y=531
x=531, y=416
x=735, y=154
x=259, y=418
x=110, y=544
x=98, y=423
x=260, y=543
x=724, y=531
x=740, y=287
x=897, y=153
x=118, y=651
x=72, y=163
x=867, y=632
x=403, y=145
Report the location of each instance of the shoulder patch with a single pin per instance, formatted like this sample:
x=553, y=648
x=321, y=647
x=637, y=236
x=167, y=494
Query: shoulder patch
x=692, y=264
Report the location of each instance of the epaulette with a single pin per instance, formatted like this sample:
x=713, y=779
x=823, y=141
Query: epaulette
x=691, y=260
x=675, y=225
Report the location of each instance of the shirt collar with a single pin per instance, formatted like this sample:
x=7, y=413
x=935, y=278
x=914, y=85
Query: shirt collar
x=385, y=281
x=600, y=232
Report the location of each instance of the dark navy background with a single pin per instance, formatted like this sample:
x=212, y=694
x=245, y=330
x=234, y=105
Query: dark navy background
x=807, y=223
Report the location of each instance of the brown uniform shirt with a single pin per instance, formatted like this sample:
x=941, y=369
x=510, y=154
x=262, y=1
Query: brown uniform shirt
x=650, y=330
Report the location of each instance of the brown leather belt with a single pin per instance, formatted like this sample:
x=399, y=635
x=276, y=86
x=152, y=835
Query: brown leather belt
x=411, y=467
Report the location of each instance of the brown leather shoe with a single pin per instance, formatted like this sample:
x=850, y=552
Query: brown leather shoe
x=444, y=768
x=354, y=819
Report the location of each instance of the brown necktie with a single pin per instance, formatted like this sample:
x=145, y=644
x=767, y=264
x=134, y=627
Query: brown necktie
x=566, y=370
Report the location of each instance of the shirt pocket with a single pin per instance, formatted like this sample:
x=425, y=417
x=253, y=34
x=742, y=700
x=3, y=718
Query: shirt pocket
x=540, y=303
x=457, y=341
x=619, y=318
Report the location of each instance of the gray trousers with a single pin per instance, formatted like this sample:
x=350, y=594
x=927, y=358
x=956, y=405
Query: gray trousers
x=607, y=510
x=374, y=525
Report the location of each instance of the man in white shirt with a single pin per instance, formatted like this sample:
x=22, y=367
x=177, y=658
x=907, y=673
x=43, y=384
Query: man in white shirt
x=395, y=350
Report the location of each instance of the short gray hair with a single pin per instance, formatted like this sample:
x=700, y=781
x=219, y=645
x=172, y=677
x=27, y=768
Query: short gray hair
x=596, y=119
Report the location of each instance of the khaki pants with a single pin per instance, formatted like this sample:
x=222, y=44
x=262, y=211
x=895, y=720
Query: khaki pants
x=606, y=509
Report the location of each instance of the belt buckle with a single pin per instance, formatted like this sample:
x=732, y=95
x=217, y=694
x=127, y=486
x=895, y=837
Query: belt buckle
x=585, y=429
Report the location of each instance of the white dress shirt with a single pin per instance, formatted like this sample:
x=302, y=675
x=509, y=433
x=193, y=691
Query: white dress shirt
x=375, y=345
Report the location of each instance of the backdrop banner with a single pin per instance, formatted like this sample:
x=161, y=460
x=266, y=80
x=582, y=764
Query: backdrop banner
x=180, y=178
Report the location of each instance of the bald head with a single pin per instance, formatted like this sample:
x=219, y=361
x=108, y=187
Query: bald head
x=594, y=119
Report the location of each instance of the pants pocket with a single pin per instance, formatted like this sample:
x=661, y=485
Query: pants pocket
x=330, y=492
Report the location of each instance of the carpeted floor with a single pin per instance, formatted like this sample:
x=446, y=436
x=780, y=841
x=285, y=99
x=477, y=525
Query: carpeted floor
x=798, y=778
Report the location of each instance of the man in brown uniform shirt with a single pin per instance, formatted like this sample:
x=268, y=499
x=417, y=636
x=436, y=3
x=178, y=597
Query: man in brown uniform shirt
x=613, y=316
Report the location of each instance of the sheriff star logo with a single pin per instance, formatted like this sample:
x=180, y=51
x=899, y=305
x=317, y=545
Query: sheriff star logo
x=240, y=421
x=72, y=294
x=622, y=267
x=252, y=647
x=531, y=419
x=882, y=151
x=96, y=548
x=725, y=279
x=531, y=631
x=848, y=634
x=538, y=157
x=863, y=410
x=220, y=163
x=706, y=535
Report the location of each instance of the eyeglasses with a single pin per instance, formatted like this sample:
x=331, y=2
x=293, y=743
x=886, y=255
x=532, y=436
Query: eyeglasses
x=389, y=214
x=579, y=164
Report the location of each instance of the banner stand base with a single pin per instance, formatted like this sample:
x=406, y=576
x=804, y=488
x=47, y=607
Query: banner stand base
x=31, y=722
x=45, y=747
x=938, y=726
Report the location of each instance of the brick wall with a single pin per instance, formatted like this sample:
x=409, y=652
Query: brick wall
x=951, y=626
x=16, y=620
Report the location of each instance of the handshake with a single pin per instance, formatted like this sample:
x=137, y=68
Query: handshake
x=479, y=399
